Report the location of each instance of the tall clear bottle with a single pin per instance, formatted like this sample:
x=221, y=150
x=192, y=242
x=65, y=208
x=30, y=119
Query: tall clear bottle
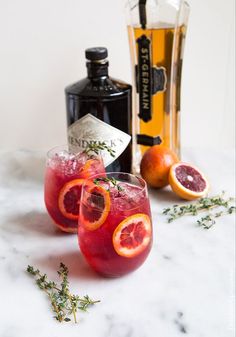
x=157, y=30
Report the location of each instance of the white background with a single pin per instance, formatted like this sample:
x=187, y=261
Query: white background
x=42, y=47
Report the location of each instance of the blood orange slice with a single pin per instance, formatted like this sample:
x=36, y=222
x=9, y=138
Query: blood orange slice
x=69, y=199
x=95, y=207
x=187, y=181
x=132, y=235
x=91, y=167
x=85, y=169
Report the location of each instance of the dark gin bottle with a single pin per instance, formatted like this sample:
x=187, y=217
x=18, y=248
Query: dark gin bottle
x=99, y=109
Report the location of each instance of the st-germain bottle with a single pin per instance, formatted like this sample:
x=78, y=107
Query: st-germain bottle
x=99, y=109
x=157, y=31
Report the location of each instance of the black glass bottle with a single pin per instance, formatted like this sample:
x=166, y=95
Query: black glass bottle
x=99, y=109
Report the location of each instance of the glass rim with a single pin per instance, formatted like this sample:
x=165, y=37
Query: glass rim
x=143, y=184
x=51, y=152
x=54, y=148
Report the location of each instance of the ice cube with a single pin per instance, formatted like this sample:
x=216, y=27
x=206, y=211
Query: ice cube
x=129, y=197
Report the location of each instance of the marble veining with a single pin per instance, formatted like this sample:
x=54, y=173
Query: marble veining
x=185, y=288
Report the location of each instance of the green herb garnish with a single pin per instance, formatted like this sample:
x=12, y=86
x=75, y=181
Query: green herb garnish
x=97, y=147
x=64, y=304
x=111, y=180
x=203, y=205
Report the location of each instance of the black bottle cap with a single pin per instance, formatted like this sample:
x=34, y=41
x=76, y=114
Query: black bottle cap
x=96, y=54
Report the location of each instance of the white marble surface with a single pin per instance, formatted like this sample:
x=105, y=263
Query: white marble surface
x=185, y=288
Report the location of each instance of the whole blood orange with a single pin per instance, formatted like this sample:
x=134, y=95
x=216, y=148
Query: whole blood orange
x=187, y=181
x=156, y=164
x=132, y=235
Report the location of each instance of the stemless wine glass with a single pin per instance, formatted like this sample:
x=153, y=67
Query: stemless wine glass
x=115, y=227
x=65, y=173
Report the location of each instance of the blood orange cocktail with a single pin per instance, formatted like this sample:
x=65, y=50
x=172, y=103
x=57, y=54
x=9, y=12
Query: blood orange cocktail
x=64, y=176
x=115, y=228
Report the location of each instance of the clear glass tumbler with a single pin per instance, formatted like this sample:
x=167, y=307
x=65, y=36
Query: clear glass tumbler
x=64, y=176
x=115, y=226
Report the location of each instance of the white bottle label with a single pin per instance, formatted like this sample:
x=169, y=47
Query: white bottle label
x=90, y=129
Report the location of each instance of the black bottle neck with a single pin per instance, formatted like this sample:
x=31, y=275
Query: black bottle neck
x=97, y=69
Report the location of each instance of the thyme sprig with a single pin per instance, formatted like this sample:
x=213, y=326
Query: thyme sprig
x=64, y=304
x=111, y=180
x=210, y=219
x=206, y=205
x=97, y=147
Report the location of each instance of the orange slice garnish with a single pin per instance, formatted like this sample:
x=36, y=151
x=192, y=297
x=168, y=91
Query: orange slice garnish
x=89, y=168
x=187, y=181
x=85, y=169
x=132, y=235
x=95, y=207
x=69, y=199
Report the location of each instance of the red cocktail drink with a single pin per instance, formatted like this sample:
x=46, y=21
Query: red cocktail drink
x=64, y=176
x=115, y=229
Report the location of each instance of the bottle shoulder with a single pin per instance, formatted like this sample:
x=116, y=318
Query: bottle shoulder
x=105, y=87
x=77, y=87
x=121, y=84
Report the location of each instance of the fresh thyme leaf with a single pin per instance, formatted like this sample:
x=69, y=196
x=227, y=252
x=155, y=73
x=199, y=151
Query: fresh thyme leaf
x=63, y=303
x=232, y=209
x=111, y=180
x=207, y=204
x=95, y=148
x=206, y=222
